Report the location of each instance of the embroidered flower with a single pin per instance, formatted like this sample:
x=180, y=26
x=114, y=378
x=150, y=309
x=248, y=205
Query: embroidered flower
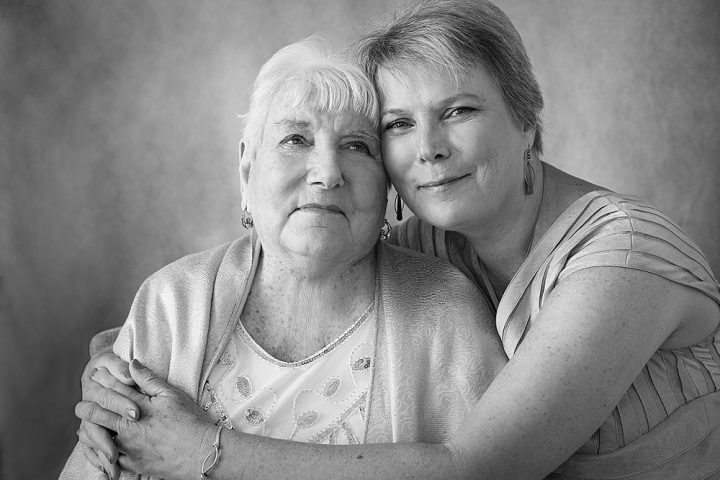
x=226, y=360
x=331, y=387
x=254, y=416
x=307, y=419
x=362, y=363
x=244, y=386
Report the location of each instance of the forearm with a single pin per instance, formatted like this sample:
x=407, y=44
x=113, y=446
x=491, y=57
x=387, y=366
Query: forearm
x=252, y=457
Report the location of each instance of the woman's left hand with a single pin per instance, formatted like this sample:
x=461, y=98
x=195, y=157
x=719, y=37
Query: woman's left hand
x=170, y=440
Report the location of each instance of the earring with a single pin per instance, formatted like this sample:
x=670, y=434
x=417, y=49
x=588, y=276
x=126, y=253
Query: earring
x=385, y=230
x=529, y=173
x=398, y=207
x=247, y=220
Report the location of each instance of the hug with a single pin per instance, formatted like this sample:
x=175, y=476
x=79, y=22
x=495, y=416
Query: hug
x=524, y=323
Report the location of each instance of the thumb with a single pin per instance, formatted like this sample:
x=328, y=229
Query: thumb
x=146, y=379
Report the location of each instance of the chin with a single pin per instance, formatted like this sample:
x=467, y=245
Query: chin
x=448, y=217
x=316, y=241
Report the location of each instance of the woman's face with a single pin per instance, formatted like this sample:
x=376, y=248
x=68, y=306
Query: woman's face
x=453, y=151
x=316, y=186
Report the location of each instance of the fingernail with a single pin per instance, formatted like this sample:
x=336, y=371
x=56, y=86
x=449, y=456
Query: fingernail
x=132, y=414
x=136, y=363
x=106, y=457
x=93, y=372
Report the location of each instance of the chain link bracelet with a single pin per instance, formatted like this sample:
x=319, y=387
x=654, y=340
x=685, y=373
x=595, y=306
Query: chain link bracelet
x=213, y=456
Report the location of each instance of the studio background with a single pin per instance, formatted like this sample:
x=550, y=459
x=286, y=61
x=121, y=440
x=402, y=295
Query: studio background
x=118, y=151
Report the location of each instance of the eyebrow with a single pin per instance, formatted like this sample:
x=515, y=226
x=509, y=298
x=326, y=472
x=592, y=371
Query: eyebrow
x=363, y=134
x=443, y=102
x=293, y=123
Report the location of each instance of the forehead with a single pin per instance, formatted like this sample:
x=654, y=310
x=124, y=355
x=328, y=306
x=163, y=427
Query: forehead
x=286, y=115
x=412, y=84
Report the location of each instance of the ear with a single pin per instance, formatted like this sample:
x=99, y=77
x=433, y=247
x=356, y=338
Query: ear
x=244, y=167
x=529, y=136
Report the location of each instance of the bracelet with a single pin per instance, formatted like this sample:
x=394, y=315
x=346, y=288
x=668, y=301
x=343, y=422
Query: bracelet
x=214, y=455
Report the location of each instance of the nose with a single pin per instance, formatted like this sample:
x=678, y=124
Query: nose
x=324, y=169
x=433, y=145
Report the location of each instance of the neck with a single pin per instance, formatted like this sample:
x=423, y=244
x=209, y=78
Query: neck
x=503, y=243
x=292, y=313
x=316, y=287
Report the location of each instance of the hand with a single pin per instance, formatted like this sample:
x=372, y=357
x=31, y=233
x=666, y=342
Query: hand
x=170, y=440
x=97, y=444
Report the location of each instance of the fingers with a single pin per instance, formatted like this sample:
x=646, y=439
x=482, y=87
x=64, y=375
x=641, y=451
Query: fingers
x=148, y=381
x=111, y=394
x=94, y=413
x=96, y=459
x=114, y=364
x=99, y=439
x=113, y=471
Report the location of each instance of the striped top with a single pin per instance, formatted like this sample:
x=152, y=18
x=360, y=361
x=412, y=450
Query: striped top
x=602, y=229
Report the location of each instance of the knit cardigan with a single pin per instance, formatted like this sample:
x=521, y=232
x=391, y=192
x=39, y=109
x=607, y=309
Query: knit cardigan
x=436, y=347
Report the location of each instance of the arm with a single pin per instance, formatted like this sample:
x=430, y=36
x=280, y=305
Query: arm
x=595, y=333
x=563, y=381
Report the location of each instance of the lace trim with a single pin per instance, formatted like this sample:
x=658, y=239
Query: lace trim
x=339, y=422
x=242, y=333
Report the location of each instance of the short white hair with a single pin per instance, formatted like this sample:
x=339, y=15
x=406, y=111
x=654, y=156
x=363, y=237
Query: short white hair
x=312, y=74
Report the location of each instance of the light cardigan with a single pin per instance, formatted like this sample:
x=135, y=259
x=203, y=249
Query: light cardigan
x=436, y=348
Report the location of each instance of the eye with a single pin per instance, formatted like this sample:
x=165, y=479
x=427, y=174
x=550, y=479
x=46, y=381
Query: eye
x=398, y=124
x=361, y=147
x=459, y=111
x=294, y=139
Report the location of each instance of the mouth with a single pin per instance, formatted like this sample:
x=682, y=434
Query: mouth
x=319, y=208
x=443, y=183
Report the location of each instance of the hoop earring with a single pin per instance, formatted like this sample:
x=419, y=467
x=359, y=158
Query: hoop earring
x=247, y=220
x=398, y=207
x=529, y=173
x=385, y=230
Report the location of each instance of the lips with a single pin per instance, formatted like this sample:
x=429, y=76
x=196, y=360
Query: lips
x=443, y=183
x=317, y=207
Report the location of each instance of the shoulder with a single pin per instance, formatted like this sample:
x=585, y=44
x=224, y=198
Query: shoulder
x=193, y=269
x=420, y=268
x=617, y=230
x=631, y=221
x=431, y=286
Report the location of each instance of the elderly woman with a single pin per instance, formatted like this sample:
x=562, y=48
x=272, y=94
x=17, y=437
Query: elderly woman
x=308, y=329
x=608, y=311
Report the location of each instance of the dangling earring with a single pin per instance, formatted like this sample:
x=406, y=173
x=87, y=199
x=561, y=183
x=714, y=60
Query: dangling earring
x=247, y=220
x=529, y=173
x=385, y=230
x=398, y=207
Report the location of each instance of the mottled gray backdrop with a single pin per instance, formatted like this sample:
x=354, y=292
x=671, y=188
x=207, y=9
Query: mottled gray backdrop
x=118, y=136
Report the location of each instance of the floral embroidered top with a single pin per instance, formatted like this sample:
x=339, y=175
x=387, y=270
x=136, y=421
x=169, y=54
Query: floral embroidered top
x=320, y=399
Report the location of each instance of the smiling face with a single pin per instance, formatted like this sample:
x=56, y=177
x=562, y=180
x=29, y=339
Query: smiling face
x=452, y=149
x=316, y=185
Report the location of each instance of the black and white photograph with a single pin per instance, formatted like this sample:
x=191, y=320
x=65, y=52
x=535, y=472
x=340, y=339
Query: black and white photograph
x=360, y=239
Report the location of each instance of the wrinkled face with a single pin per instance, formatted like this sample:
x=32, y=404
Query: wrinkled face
x=316, y=186
x=453, y=152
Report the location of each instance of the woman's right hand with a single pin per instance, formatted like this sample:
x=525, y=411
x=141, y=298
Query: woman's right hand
x=97, y=441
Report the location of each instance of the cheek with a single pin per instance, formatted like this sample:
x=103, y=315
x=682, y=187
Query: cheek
x=397, y=158
x=270, y=187
x=369, y=192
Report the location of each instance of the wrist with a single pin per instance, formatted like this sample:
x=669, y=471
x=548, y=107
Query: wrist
x=213, y=457
x=199, y=447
